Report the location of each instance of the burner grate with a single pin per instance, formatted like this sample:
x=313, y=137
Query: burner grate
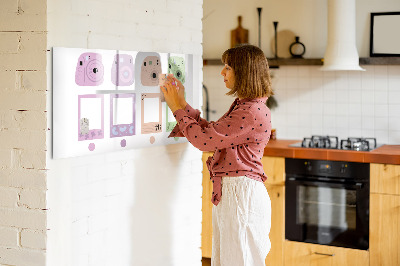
x=358, y=144
x=332, y=142
x=327, y=142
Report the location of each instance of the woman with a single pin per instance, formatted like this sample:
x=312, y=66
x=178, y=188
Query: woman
x=242, y=208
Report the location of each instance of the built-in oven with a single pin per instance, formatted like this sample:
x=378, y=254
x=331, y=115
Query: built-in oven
x=327, y=202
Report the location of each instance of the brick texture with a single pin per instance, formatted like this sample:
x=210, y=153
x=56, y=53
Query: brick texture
x=9, y=237
x=33, y=239
x=17, y=256
x=8, y=197
x=23, y=126
x=23, y=218
x=23, y=178
x=33, y=199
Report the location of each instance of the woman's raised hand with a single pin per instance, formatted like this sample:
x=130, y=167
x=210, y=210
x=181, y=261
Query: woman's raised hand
x=172, y=93
x=181, y=91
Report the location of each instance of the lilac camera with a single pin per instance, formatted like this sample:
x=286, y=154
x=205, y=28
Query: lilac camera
x=89, y=70
x=122, y=71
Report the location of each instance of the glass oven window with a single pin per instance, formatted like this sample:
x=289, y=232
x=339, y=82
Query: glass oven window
x=326, y=207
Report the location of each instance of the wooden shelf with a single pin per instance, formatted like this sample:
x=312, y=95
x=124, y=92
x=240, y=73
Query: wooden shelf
x=273, y=63
x=380, y=61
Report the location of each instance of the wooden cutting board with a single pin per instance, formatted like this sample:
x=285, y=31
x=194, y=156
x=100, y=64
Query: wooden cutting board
x=239, y=35
x=285, y=39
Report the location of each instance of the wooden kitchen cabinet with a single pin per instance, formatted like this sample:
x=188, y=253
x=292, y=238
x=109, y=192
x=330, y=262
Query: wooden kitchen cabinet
x=274, y=168
x=277, y=233
x=206, y=225
x=385, y=178
x=305, y=254
x=384, y=236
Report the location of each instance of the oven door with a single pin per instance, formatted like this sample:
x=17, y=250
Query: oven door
x=327, y=213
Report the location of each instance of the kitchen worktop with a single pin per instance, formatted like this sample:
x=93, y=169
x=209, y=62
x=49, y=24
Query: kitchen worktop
x=389, y=154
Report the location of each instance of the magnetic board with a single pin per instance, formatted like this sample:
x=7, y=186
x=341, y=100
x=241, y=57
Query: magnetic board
x=110, y=100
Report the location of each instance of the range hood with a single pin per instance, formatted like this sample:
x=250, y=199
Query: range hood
x=341, y=51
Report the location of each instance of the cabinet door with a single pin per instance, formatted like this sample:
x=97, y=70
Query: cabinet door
x=206, y=232
x=274, y=168
x=277, y=233
x=385, y=178
x=304, y=254
x=384, y=230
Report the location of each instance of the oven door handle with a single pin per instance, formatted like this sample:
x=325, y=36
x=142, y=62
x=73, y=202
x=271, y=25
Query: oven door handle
x=357, y=185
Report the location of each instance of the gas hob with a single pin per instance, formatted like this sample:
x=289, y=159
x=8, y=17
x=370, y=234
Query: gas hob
x=332, y=142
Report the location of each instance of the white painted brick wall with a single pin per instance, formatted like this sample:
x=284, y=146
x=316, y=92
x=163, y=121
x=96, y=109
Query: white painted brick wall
x=23, y=178
x=9, y=197
x=33, y=198
x=23, y=218
x=34, y=239
x=23, y=126
x=9, y=237
x=22, y=256
x=136, y=207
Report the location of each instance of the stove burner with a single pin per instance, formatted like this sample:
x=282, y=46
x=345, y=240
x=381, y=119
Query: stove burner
x=358, y=144
x=328, y=142
x=332, y=142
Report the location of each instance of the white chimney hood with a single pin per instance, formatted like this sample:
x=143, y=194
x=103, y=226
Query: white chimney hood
x=341, y=51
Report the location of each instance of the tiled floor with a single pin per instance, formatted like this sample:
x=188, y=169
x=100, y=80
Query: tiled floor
x=206, y=261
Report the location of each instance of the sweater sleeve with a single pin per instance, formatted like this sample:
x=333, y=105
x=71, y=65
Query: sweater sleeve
x=232, y=130
x=193, y=113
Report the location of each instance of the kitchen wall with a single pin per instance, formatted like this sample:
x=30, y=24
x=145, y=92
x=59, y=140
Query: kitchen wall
x=304, y=18
x=136, y=207
x=343, y=103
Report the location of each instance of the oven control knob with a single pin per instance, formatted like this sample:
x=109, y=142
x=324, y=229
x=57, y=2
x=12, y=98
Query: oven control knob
x=308, y=166
x=343, y=168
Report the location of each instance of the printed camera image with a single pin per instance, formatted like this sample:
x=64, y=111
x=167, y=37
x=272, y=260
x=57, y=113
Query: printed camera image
x=84, y=126
x=89, y=70
x=176, y=66
x=150, y=71
x=122, y=71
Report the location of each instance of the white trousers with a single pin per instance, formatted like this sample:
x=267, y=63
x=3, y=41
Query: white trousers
x=241, y=223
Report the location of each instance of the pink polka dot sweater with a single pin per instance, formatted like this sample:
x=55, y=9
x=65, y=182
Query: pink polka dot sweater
x=238, y=139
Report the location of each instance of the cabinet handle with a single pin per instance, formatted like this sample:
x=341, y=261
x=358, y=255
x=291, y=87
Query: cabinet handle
x=324, y=254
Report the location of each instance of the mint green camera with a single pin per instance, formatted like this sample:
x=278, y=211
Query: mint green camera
x=176, y=66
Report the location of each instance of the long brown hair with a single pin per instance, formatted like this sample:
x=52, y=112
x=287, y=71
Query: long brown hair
x=250, y=66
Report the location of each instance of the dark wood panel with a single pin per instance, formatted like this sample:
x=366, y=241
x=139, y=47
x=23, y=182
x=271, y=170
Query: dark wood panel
x=380, y=61
x=273, y=62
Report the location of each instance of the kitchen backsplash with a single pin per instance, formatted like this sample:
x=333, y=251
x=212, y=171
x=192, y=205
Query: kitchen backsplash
x=314, y=102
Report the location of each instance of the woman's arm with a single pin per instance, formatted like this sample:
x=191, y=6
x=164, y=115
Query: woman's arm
x=195, y=114
x=174, y=93
x=239, y=127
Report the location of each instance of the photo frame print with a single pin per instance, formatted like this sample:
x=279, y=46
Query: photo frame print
x=384, y=41
x=154, y=124
x=127, y=126
x=90, y=109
